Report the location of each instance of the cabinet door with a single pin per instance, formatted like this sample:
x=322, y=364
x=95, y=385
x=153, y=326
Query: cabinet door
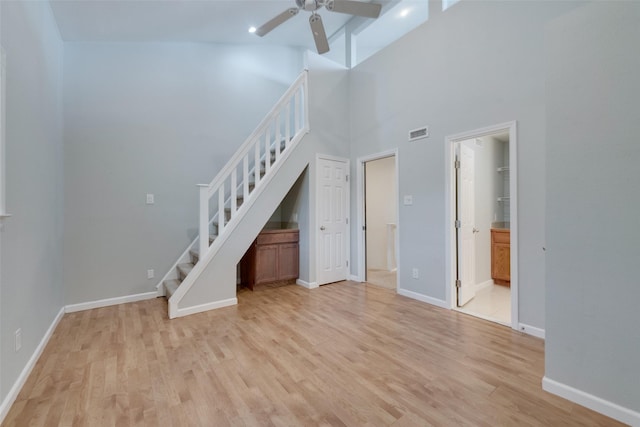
x=266, y=263
x=501, y=261
x=288, y=261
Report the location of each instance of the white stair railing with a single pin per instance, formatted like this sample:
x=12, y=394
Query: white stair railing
x=253, y=161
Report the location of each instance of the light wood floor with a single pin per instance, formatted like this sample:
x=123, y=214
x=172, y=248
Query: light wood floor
x=344, y=354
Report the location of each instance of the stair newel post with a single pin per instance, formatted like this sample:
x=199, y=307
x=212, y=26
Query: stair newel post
x=204, y=219
x=245, y=176
x=221, y=215
x=234, y=191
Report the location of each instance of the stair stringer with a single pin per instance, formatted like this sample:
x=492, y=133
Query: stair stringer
x=212, y=282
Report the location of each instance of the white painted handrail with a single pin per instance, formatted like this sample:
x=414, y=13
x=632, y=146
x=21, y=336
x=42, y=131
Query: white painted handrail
x=271, y=138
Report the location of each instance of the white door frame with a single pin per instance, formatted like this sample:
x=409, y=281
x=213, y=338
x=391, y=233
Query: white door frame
x=360, y=221
x=316, y=222
x=450, y=193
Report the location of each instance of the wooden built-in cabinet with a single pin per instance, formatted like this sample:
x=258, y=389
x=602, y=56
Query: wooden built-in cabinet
x=501, y=256
x=272, y=257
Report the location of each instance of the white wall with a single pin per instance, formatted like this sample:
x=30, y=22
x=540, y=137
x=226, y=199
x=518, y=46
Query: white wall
x=381, y=209
x=152, y=118
x=592, y=233
x=31, y=291
x=477, y=64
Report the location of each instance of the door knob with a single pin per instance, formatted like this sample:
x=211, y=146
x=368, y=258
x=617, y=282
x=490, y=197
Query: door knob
x=475, y=230
x=322, y=227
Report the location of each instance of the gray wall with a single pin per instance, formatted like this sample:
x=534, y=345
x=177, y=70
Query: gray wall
x=477, y=64
x=295, y=213
x=152, y=118
x=31, y=291
x=592, y=233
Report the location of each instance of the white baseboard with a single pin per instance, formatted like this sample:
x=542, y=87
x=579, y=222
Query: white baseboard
x=109, y=301
x=22, y=378
x=354, y=278
x=423, y=298
x=531, y=330
x=187, y=311
x=610, y=409
x=308, y=285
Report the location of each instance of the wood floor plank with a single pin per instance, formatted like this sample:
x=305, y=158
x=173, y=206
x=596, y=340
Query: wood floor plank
x=345, y=354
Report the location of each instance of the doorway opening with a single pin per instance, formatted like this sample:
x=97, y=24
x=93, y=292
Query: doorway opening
x=378, y=213
x=483, y=224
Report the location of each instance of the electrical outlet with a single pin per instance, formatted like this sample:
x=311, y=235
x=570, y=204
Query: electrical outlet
x=408, y=200
x=150, y=199
x=414, y=273
x=18, y=339
x=150, y=274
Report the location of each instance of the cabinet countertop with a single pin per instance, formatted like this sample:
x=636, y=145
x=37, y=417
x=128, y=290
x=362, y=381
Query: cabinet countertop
x=506, y=226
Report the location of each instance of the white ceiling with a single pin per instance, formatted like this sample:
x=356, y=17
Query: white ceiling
x=221, y=21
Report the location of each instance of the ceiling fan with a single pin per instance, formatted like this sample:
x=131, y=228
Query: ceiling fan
x=351, y=7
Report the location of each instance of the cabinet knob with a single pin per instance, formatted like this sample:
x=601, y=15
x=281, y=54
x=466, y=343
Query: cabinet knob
x=322, y=228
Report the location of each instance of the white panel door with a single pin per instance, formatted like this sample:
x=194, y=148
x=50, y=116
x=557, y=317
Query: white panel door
x=466, y=231
x=332, y=214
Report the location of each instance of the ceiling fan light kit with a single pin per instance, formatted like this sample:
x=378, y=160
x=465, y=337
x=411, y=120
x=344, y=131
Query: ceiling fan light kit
x=350, y=7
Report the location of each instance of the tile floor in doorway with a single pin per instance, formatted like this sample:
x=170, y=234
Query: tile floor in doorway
x=491, y=303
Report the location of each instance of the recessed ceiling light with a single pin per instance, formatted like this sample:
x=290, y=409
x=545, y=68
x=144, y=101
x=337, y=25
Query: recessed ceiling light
x=404, y=12
x=252, y=29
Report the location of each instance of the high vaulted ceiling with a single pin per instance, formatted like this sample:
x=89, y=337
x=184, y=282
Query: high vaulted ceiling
x=220, y=21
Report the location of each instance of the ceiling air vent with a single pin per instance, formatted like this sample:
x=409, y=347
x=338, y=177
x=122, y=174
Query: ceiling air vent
x=419, y=133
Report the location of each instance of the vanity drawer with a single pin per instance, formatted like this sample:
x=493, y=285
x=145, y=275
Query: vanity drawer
x=500, y=236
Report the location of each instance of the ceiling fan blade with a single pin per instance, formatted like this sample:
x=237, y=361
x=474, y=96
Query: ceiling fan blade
x=368, y=10
x=280, y=19
x=319, y=36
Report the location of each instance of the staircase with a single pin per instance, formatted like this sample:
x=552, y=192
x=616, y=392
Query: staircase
x=230, y=196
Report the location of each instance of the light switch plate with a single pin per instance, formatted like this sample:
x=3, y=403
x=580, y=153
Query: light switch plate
x=408, y=200
x=150, y=199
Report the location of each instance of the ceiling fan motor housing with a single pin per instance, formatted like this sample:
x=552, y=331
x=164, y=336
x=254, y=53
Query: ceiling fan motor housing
x=309, y=5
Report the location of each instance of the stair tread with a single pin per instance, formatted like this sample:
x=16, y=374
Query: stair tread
x=171, y=286
x=185, y=267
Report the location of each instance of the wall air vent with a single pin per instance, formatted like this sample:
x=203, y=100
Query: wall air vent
x=416, y=134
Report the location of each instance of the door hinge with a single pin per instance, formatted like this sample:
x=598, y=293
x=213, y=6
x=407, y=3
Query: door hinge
x=458, y=223
x=347, y=263
x=346, y=177
x=456, y=164
x=347, y=219
x=458, y=284
x=364, y=228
